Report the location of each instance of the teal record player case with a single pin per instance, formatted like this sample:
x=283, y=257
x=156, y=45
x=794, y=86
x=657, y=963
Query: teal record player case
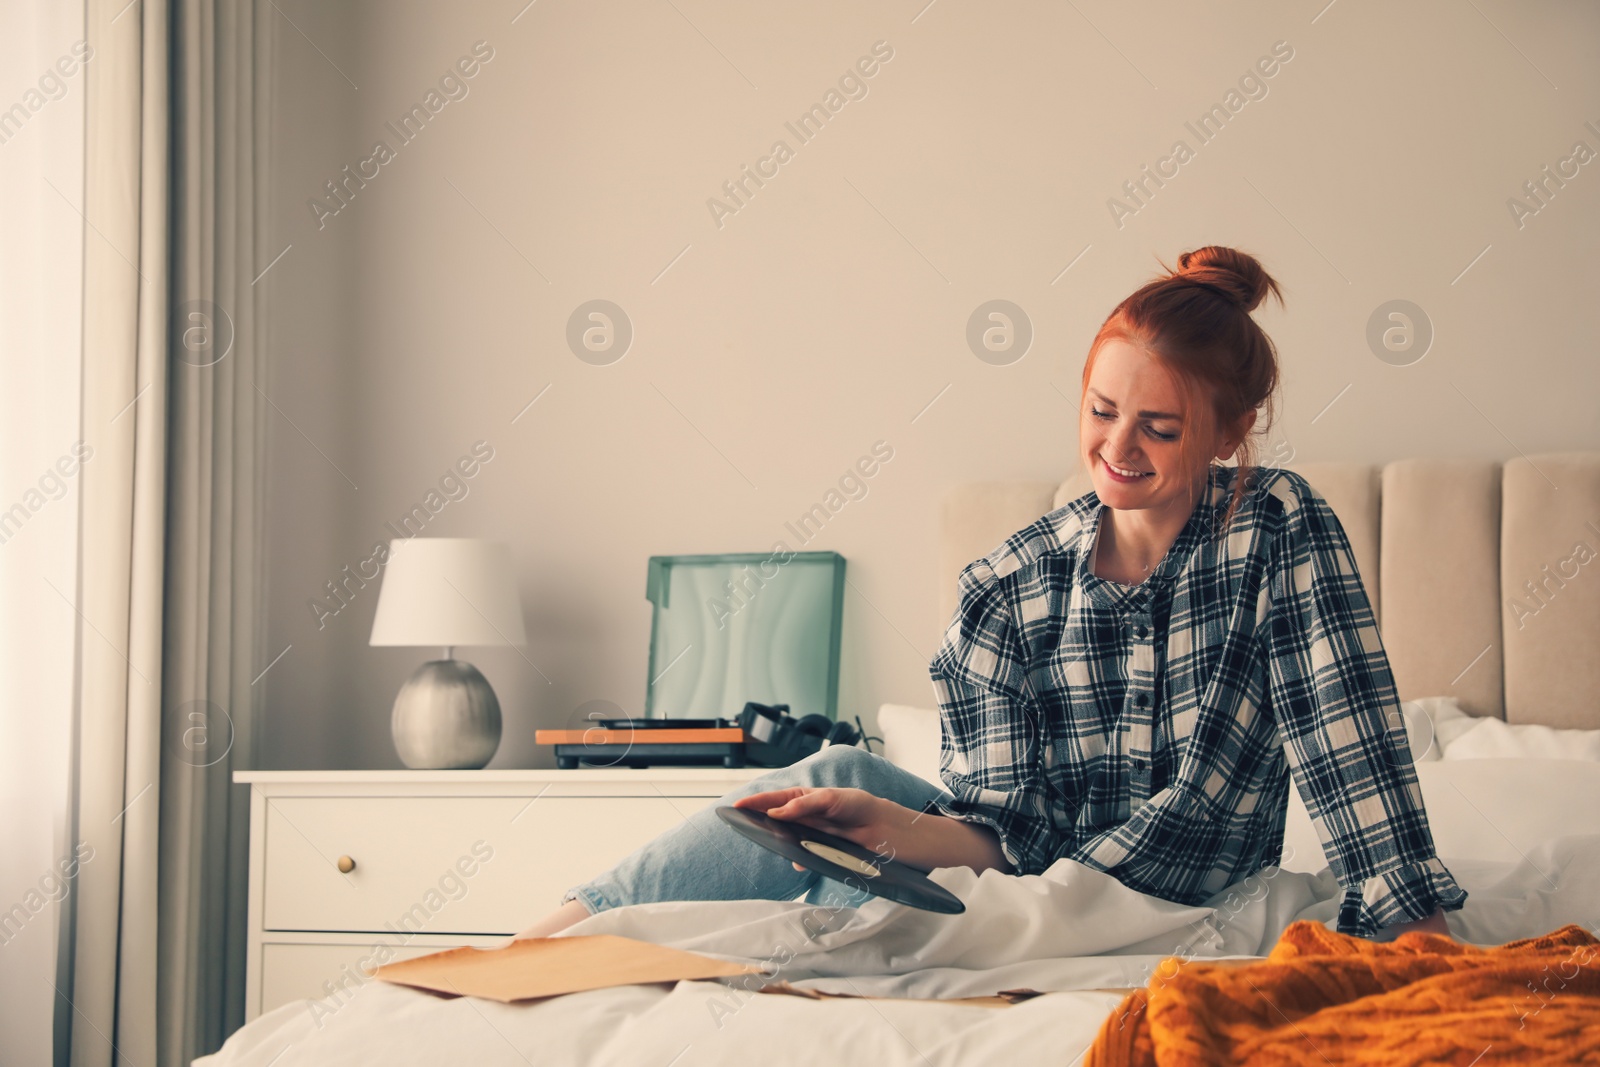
x=726, y=629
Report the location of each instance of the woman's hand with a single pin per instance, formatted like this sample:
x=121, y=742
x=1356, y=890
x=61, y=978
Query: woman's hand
x=853, y=814
x=1433, y=924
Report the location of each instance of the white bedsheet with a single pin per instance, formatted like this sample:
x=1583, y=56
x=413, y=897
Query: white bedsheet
x=1067, y=931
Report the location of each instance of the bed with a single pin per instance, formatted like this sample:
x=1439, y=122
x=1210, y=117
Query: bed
x=1487, y=587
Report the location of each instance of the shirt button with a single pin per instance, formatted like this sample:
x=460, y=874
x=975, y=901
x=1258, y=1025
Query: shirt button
x=1141, y=700
x=1143, y=631
x=1138, y=765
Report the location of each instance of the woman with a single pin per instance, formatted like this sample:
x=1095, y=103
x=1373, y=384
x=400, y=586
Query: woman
x=1132, y=681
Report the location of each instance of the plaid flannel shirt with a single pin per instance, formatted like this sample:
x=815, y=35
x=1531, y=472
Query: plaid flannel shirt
x=1151, y=731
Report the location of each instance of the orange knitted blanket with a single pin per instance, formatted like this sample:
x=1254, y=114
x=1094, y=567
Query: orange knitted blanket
x=1322, y=999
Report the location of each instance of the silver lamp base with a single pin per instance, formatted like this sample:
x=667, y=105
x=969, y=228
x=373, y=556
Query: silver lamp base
x=446, y=717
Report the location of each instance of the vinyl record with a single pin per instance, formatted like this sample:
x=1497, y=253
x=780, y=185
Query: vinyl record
x=843, y=861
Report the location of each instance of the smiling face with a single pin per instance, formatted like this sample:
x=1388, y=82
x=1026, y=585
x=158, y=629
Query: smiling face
x=1134, y=417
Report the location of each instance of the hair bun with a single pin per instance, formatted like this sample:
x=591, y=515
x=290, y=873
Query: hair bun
x=1237, y=276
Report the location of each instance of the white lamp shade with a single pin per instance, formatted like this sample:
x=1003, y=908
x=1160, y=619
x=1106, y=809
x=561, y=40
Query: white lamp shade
x=448, y=591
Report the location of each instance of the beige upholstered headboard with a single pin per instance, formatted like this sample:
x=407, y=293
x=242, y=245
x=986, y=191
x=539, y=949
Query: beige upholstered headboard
x=1485, y=576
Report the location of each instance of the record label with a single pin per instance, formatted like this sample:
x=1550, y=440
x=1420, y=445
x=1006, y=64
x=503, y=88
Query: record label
x=843, y=859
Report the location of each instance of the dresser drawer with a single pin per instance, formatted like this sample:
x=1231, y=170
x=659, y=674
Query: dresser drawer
x=327, y=975
x=445, y=865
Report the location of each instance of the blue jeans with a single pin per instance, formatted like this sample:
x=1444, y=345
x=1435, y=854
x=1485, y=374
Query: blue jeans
x=704, y=858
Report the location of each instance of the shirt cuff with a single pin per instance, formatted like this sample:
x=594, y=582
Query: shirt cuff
x=1405, y=894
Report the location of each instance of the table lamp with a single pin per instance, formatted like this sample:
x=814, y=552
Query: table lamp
x=447, y=591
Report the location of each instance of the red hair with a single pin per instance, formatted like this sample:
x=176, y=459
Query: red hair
x=1196, y=322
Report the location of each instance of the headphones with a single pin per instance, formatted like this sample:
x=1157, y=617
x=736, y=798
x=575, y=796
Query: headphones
x=774, y=738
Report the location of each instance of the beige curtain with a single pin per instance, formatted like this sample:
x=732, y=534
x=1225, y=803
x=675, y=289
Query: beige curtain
x=168, y=567
x=109, y=979
x=213, y=516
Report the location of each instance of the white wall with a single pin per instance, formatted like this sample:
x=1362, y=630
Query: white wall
x=41, y=266
x=830, y=310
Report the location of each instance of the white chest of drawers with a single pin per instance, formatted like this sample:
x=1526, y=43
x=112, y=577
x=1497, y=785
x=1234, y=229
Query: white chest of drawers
x=351, y=869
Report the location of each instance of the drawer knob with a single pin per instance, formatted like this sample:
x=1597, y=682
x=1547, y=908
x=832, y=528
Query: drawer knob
x=346, y=864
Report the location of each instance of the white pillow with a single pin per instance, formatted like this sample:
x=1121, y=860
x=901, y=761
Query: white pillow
x=911, y=739
x=1461, y=736
x=1480, y=810
x=1422, y=726
x=1440, y=732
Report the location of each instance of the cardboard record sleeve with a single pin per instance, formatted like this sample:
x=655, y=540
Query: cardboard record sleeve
x=550, y=966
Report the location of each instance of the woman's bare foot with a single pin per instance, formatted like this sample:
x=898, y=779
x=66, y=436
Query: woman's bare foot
x=568, y=914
